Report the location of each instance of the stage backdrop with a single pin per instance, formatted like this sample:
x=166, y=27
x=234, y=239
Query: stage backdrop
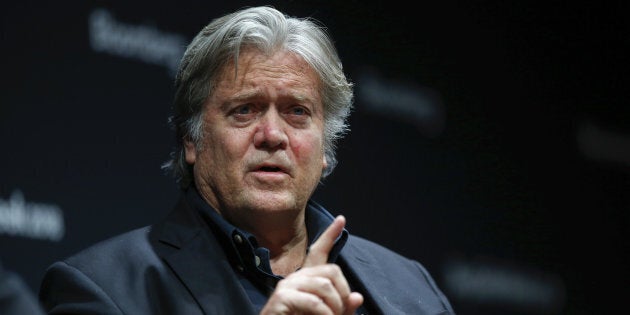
x=490, y=141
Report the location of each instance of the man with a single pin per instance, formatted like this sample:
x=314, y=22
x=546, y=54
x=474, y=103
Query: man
x=260, y=100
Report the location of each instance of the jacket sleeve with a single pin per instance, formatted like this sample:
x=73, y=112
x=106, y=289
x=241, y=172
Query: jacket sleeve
x=67, y=290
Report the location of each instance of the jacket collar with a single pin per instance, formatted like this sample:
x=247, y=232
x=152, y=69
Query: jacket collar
x=187, y=246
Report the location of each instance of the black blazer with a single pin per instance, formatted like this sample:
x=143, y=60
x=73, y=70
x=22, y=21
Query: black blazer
x=178, y=267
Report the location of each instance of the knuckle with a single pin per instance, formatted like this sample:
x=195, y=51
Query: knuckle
x=325, y=283
x=333, y=269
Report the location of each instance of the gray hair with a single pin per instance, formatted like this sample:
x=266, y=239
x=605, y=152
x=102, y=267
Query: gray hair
x=269, y=30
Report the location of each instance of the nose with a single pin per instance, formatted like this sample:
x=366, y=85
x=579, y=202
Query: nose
x=270, y=133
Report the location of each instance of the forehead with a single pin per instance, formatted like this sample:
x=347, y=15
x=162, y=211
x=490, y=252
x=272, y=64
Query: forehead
x=255, y=68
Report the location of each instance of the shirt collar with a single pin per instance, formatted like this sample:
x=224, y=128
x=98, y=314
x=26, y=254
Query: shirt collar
x=232, y=238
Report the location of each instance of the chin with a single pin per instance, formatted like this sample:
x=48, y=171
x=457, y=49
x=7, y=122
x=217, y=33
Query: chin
x=274, y=202
x=275, y=206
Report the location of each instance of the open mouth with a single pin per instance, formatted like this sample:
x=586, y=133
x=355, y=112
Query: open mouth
x=269, y=169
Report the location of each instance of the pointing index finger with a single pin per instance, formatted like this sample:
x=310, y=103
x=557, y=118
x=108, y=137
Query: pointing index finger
x=318, y=252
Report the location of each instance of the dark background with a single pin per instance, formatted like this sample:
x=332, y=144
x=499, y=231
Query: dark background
x=489, y=140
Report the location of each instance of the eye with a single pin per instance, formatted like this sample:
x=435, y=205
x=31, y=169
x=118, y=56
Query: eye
x=298, y=111
x=243, y=113
x=298, y=115
x=243, y=109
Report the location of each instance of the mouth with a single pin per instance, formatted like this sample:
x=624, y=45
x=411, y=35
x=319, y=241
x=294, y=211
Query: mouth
x=271, y=169
x=270, y=174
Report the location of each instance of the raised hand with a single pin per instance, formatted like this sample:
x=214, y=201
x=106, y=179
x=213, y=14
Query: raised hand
x=318, y=287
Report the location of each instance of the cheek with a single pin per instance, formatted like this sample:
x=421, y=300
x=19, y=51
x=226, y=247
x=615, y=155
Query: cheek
x=309, y=148
x=217, y=148
x=230, y=146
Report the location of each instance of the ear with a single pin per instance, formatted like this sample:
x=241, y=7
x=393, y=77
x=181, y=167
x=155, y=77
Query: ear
x=324, y=162
x=191, y=151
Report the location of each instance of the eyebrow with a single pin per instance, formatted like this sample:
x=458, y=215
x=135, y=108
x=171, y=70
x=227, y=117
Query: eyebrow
x=256, y=94
x=247, y=95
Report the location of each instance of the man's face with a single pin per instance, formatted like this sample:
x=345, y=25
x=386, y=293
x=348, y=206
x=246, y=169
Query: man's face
x=263, y=150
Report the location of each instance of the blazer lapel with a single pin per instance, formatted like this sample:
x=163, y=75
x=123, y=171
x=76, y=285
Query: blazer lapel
x=369, y=276
x=196, y=257
x=391, y=288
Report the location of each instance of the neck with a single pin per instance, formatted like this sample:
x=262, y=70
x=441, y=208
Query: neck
x=284, y=234
x=287, y=241
x=288, y=258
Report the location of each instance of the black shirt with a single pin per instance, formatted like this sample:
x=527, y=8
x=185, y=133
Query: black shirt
x=251, y=261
